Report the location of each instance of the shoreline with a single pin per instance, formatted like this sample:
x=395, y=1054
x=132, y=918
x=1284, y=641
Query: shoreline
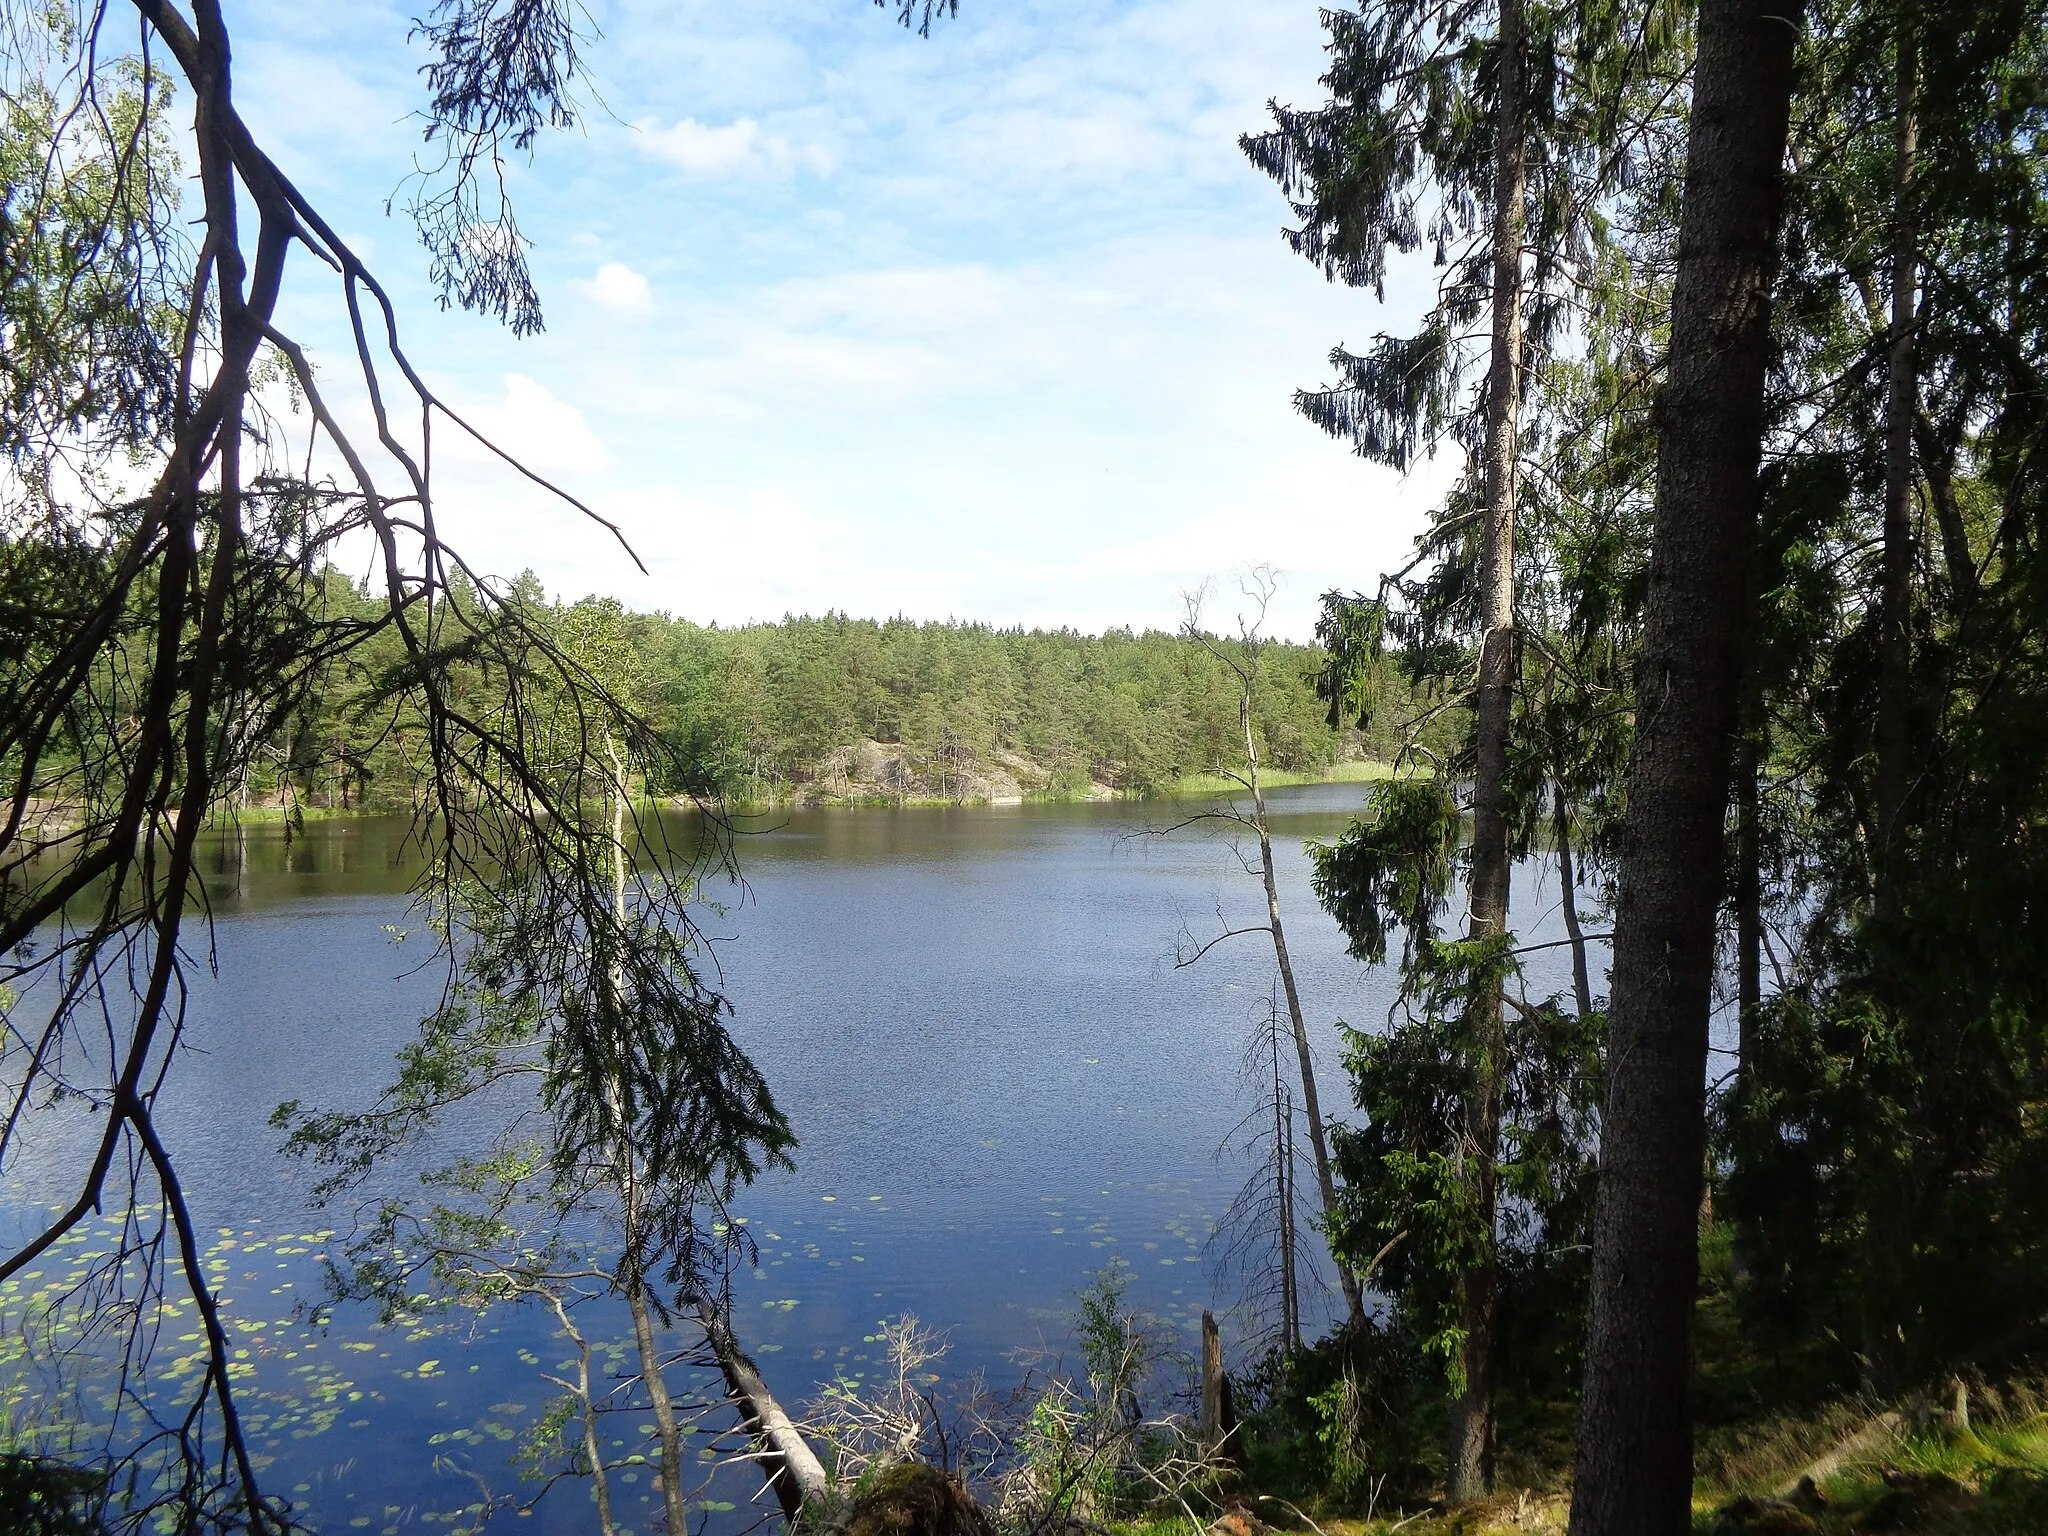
x=1186, y=787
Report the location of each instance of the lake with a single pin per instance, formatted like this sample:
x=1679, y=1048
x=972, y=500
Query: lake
x=972, y=1017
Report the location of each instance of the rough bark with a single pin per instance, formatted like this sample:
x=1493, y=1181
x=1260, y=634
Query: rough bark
x=1219, y=1413
x=1749, y=941
x=1895, y=656
x=1471, y=1449
x=1634, y=1461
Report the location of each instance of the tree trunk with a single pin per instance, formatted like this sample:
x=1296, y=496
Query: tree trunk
x=666, y=1434
x=586, y=1405
x=1749, y=939
x=1936, y=463
x=1568, y=901
x=633, y=1272
x=1634, y=1461
x=1956, y=1419
x=1283, y=1193
x=791, y=1467
x=1354, y=1296
x=1749, y=902
x=1901, y=408
x=1471, y=1449
x=1219, y=1414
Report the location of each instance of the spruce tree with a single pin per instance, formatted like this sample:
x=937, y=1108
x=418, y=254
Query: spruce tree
x=1634, y=1460
x=1476, y=132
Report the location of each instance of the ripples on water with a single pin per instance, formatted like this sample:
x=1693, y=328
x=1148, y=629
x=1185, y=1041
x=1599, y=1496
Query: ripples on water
x=972, y=1018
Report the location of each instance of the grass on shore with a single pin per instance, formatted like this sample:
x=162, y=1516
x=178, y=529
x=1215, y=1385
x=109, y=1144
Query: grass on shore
x=277, y=815
x=1188, y=785
x=1274, y=778
x=1988, y=1480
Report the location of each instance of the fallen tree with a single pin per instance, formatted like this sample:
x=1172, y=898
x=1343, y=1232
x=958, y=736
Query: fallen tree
x=791, y=1467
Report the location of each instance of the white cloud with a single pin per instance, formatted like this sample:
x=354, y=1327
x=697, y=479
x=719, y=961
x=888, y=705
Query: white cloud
x=544, y=433
x=1026, y=353
x=618, y=288
x=741, y=147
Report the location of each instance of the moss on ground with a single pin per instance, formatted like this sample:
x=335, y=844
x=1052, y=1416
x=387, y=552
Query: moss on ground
x=1875, y=1478
x=1991, y=1480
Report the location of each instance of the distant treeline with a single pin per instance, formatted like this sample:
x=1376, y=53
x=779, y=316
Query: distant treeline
x=837, y=708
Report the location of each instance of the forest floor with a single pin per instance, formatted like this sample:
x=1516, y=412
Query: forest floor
x=1783, y=1448
x=1875, y=1475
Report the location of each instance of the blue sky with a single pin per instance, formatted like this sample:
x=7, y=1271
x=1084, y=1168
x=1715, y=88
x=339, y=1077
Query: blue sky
x=996, y=325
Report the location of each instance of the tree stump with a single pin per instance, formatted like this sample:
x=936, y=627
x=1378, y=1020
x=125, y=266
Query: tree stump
x=916, y=1500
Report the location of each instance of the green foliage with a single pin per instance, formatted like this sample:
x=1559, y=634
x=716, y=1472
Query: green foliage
x=87, y=213
x=1107, y=1330
x=1403, y=155
x=1408, y=1197
x=40, y=1497
x=1353, y=638
x=1086, y=1449
x=1934, y=1479
x=1342, y=1433
x=836, y=708
x=1409, y=1206
x=784, y=706
x=1475, y=1154
x=621, y=1116
x=641, y=1060
x=1354, y=1416
x=1880, y=1148
x=1873, y=1190
x=1883, y=1144
x=1392, y=867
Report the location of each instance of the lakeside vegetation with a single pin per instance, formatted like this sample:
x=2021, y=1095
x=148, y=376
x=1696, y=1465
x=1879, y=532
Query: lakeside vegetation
x=1731, y=637
x=839, y=710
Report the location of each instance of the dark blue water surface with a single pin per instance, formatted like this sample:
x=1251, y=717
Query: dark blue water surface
x=972, y=1017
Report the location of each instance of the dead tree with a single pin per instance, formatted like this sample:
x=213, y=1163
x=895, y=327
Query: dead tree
x=1241, y=657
